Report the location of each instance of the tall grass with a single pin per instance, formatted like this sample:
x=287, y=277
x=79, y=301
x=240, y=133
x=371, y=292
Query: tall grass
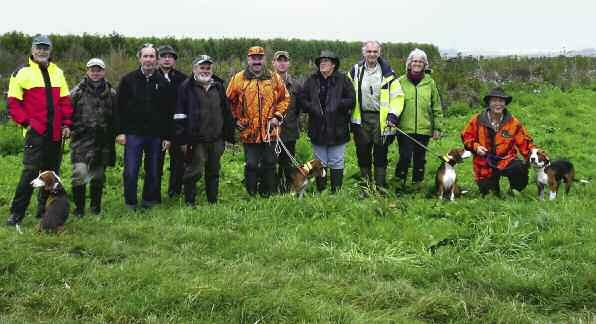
x=327, y=258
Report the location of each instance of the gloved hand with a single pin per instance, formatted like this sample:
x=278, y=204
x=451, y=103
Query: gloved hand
x=392, y=120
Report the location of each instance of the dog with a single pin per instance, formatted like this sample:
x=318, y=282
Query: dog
x=446, y=178
x=303, y=173
x=551, y=173
x=56, y=208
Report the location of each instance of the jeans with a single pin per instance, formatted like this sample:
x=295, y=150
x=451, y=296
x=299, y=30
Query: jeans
x=134, y=149
x=331, y=156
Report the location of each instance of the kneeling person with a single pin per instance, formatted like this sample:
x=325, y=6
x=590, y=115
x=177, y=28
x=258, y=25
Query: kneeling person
x=203, y=122
x=92, y=139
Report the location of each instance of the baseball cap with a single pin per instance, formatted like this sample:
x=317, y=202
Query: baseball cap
x=96, y=62
x=167, y=49
x=256, y=50
x=202, y=59
x=281, y=53
x=41, y=39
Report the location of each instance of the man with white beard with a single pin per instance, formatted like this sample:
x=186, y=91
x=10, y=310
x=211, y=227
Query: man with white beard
x=203, y=122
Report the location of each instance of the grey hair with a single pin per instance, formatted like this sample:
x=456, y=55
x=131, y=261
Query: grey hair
x=372, y=42
x=416, y=53
x=147, y=45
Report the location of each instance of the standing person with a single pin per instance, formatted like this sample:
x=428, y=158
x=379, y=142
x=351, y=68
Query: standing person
x=259, y=101
x=420, y=118
x=38, y=99
x=378, y=93
x=328, y=98
x=203, y=122
x=144, y=124
x=290, y=128
x=495, y=137
x=92, y=141
x=167, y=68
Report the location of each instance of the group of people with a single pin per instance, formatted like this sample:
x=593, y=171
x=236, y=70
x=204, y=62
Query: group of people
x=157, y=109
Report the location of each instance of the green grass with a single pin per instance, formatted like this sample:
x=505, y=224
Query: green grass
x=326, y=258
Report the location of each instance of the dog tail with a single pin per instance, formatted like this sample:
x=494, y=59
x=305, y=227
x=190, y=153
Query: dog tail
x=583, y=181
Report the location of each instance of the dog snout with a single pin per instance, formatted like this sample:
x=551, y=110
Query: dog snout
x=37, y=183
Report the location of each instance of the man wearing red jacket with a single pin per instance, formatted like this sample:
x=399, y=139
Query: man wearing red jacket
x=38, y=99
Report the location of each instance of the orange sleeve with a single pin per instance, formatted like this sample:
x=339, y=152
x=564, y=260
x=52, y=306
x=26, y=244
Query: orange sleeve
x=523, y=141
x=233, y=94
x=469, y=134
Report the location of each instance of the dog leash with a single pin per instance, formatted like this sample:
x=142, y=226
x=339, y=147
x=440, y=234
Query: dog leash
x=279, y=145
x=443, y=158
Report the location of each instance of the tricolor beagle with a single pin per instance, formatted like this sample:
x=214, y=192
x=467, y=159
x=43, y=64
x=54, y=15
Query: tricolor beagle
x=446, y=179
x=56, y=209
x=313, y=168
x=551, y=173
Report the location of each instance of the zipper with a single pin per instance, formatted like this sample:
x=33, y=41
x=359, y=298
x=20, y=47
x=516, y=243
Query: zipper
x=416, y=109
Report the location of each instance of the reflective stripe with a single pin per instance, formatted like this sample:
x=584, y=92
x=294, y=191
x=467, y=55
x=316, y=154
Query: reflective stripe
x=180, y=116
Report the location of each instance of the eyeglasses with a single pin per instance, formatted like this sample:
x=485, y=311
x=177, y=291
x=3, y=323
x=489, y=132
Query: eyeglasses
x=42, y=47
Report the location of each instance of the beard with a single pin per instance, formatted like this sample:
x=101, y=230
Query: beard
x=202, y=78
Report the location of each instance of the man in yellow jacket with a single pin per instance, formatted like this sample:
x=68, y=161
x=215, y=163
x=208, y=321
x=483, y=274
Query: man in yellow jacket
x=259, y=101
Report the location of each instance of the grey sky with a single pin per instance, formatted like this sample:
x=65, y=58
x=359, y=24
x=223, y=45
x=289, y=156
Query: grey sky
x=512, y=25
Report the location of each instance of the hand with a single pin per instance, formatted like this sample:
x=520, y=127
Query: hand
x=183, y=148
x=65, y=132
x=165, y=144
x=392, y=120
x=121, y=139
x=481, y=150
x=436, y=135
x=239, y=125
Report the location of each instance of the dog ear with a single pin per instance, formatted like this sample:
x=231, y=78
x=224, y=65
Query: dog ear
x=543, y=154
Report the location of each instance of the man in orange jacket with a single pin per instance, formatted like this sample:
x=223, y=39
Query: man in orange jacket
x=495, y=137
x=259, y=101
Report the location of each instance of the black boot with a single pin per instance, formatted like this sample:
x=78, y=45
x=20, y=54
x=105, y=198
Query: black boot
x=250, y=179
x=268, y=182
x=365, y=176
x=96, y=189
x=337, y=177
x=78, y=195
x=190, y=192
x=13, y=220
x=321, y=183
x=380, y=177
x=212, y=187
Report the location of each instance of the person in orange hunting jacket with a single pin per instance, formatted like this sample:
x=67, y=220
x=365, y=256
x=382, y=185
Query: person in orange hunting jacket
x=495, y=138
x=259, y=101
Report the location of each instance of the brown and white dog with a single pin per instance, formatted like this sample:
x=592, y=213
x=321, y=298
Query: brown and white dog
x=56, y=209
x=551, y=173
x=303, y=173
x=446, y=178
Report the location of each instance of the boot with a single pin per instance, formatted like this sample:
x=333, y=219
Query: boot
x=321, y=183
x=96, y=189
x=380, y=177
x=365, y=175
x=268, y=182
x=250, y=179
x=337, y=176
x=13, y=220
x=212, y=187
x=78, y=195
x=190, y=192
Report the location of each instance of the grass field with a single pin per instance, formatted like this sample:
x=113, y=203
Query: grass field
x=326, y=258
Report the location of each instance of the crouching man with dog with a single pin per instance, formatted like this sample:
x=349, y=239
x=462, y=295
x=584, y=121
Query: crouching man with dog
x=495, y=137
x=38, y=99
x=203, y=121
x=92, y=140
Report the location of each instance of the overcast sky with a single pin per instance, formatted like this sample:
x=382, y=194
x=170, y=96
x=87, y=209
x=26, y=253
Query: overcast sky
x=512, y=25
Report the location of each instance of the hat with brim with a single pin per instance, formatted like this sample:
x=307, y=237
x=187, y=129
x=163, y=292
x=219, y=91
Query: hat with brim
x=279, y=54
x=202, y=60
x=497, y=93
x=328, y=55
x=167, y=49
x=96, y=62
x=41, y=40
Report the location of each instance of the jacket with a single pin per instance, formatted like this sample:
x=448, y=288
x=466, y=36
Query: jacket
x=39, y=97
x=503, y=144
x=422, y=112
x=290, y=129
x=329, y=126
x=255, y=100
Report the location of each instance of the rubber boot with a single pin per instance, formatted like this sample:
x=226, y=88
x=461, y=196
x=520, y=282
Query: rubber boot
x=190, y=193
x=268, y=182
x=212, y=187
x=337, y=177
x=381, y=177
x=365, y=175
x=78, y=195
x=96, y=191
x=321, y=183
x=250, y=179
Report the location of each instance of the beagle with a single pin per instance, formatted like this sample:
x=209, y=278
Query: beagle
x=551, y=173
x=303, y=173
x=56, y=208
x=446, y=178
